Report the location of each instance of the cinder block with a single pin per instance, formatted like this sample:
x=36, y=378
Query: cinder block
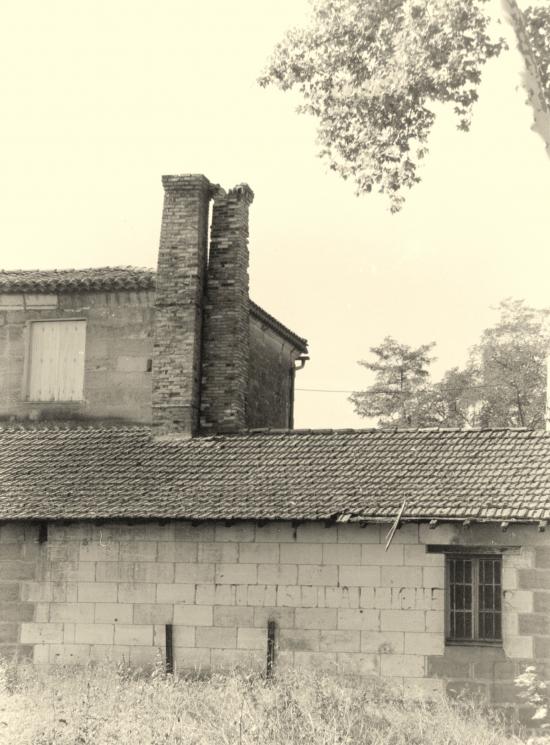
x=32, y=591
x=136, y=592
x=406, y=533
x=151, y=613
x=16, y=611
x=341, y=553
x=402, y=665
x=72, y=612
x=296, y=597
x=211, y=594
x=111, y=571
x=340, y=641
x=322, y=661
x=113, y=613
x=138, y=551
x=299, y=553
x=15, y=569
x=134, y=635
x=518, y=647
x=260, y=594
x=298, y=640
x=194, y=573
x=12, y=532
x=443, y=534
x=97, y=592
x=145, y=656
x=175, y=593
x=41, y=613
x=193, y=615
x=41, y=633
x=354, y=663
x=433, y=577
x=512, y=578
x=59, y=552
x=182, y=551
x=359, y=576
x=424, y=643
x=250, y=638
x=339, y=597
x=191, y=658
x=216, y=637
x=423, y=688
x=154, y=572
x=416, y=555
x=354, y=533
x=236, y=574
x=225, y=615
x=238, y=533
x=69, y=654
x=402, y=620
x=311, y=574
x=94, y=633
x=275, y=532
x=259, y=553
x=218, y=553
x=110, y=653
x=186, y=531
x=359, y=619
x=277, y=574
x=41, y=654
x=539, y=601
x=435, y=621
x=315, y=618
x=81, y=571
x=9, y=633
x=234, y=659
x=394, y=576
x=283, y=617
x=96, y=551
x=383, y=642
x=316, y=532
x=376, y=555
x=182, y=636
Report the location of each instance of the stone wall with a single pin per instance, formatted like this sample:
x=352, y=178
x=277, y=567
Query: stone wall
x=340, y=601
x=117, y=375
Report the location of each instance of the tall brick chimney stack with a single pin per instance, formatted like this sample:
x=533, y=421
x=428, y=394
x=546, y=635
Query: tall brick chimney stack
x=179, y=305
x=226, y=336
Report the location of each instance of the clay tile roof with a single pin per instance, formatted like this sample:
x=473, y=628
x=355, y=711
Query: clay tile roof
x=100, y=472
x=110, y=278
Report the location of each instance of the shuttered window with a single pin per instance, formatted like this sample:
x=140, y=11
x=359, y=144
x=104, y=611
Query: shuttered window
x=56, y=361
x=474, y=599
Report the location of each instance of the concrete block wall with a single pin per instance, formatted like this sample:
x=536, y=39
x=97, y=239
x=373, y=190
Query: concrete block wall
x=119, y=347
x=340, y=601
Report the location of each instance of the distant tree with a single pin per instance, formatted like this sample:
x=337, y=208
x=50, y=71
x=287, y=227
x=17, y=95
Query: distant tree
x=510, y=363
x=502, y=385
x=401, y=377
x=370, y=70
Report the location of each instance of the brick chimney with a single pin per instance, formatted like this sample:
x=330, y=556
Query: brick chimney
x=181, y=278
x=226, y=335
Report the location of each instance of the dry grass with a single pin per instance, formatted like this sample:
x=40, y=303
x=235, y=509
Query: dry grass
x=107, y=704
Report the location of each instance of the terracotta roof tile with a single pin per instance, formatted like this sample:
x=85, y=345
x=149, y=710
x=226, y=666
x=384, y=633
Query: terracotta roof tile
x=100, y=472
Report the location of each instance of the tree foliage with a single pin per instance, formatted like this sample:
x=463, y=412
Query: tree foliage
x=503, y=383
x=368, y=70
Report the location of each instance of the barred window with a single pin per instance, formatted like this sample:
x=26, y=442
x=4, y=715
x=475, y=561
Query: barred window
x=474, y=599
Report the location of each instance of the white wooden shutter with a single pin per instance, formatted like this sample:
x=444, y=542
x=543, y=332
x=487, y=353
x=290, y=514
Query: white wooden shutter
x=56, y=367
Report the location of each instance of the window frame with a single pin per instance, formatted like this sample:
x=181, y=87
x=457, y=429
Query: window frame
x=475, y=558
x=28, y=363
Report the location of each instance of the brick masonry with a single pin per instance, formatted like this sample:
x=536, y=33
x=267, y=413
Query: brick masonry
x=339, y=600
x=181, y=276
x=226, y=333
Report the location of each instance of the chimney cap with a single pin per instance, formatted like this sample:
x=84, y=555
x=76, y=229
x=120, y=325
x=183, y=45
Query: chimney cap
x=185, y=181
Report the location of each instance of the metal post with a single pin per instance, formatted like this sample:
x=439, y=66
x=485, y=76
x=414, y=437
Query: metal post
x=169, y=649
x=270, y=649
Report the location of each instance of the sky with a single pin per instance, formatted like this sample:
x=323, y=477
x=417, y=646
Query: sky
x=100, y=98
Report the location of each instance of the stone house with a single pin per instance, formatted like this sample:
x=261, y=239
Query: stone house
x=154, y=496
